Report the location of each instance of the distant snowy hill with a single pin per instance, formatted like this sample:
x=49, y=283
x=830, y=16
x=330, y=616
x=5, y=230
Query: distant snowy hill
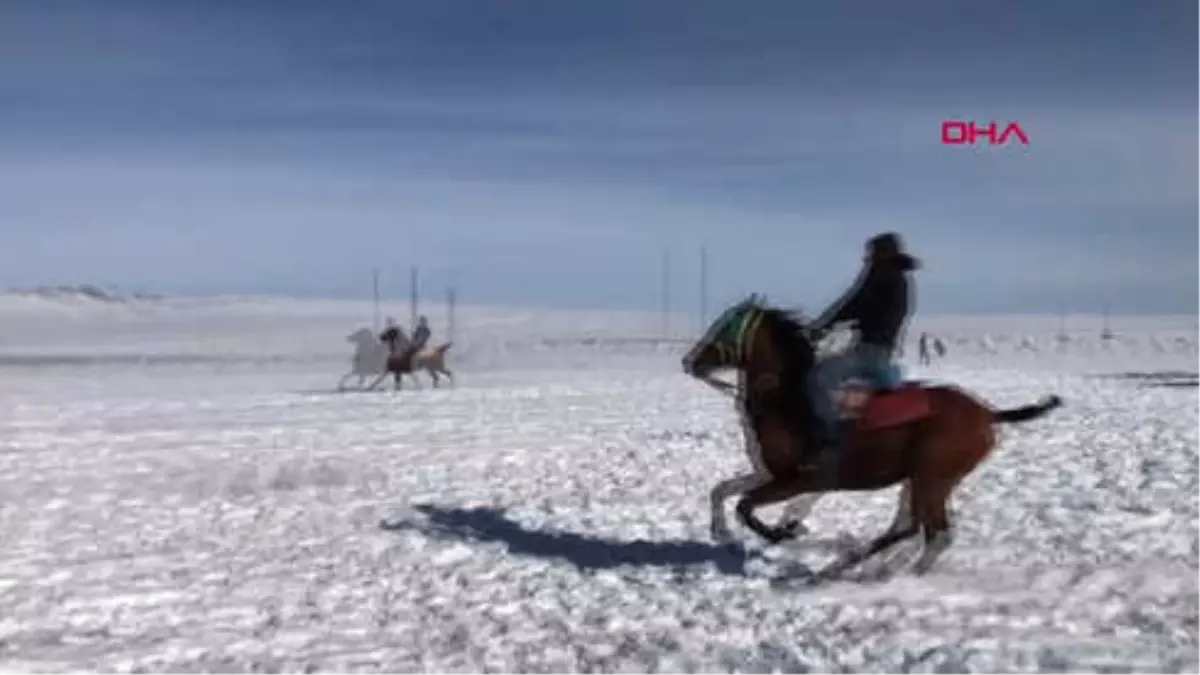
x=81, y=293
x=89, y=325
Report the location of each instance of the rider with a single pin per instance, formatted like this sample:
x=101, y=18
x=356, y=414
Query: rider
x=420, y=334
x=392, y=336
x=879, y=303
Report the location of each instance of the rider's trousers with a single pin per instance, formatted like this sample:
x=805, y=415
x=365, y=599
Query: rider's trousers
x=871, y=363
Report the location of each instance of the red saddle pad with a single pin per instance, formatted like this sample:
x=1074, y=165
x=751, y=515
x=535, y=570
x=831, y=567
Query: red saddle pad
x=893, y=408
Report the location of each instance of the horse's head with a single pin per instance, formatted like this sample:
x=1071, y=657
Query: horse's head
x=360, y=337
x=726, y=341
x=750, y=331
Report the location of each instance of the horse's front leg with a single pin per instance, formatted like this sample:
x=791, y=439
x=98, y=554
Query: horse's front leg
x=341, y=385
x=379, y=380
x=776, y=490
x=723, y=491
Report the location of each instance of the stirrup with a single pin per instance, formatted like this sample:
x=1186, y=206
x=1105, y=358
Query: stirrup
x=833, y=439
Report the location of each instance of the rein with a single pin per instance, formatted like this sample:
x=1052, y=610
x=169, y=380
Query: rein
x=741, y=346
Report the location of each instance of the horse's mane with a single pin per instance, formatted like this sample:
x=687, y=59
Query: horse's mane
x=788, y=328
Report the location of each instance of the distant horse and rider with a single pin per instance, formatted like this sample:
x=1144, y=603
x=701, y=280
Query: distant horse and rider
x=848, y=422
x=392, y=352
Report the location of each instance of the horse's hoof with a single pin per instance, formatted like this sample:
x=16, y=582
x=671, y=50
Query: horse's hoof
x=779, y=535
x=784, y=532
x=794, y=528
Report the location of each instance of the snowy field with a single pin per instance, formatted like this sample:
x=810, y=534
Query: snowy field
x=181, y=490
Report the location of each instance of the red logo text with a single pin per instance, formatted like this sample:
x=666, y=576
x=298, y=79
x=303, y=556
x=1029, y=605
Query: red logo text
x=958, y=132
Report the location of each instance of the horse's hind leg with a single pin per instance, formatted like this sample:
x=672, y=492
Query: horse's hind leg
x=880, y=544
x=903, y=519
x=935, y=525
x=903, y=527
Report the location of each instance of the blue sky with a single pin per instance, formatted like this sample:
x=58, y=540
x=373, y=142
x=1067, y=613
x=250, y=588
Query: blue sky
x=546, y=152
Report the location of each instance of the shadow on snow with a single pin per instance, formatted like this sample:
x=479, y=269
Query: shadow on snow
x=583, y=551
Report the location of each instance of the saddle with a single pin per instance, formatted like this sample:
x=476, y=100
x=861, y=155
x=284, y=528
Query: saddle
x=874, y=409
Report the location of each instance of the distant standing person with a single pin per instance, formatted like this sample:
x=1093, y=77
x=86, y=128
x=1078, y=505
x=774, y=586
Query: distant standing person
x=923, y=349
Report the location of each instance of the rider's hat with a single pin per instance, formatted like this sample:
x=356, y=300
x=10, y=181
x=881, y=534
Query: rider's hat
x=888, y=248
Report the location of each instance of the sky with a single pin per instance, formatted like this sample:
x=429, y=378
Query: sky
x=549, y=153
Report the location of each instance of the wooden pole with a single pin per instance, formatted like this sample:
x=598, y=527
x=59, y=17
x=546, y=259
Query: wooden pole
x=703, y=287
x=451, y=299
x=413, y=294
x=375, y=295
x=666, y=293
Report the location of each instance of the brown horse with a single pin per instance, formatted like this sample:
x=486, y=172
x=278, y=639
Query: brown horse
x=928, y=437
x=407, y=362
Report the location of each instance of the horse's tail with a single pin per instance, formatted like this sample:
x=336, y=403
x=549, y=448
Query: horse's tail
x=1028, y=412
x=442, y=347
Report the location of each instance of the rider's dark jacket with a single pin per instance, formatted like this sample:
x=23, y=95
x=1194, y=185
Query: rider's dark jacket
x=420, y=337
x=390, y=337
x=878, y=302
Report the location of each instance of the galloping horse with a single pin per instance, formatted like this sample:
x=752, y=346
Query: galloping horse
x=404, y=362
x=371, y=357
x=928, y=437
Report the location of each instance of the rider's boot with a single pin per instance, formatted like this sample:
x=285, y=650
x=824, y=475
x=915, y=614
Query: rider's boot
x=814, y=446
x=823, y=437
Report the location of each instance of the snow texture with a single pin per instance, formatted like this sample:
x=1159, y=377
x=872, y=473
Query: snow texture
x=182, y=490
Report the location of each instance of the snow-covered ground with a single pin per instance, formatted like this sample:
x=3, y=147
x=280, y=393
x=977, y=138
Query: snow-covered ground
x=180, y=490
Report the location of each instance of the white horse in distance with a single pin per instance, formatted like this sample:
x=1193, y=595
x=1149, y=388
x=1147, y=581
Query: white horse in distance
x=371, y=357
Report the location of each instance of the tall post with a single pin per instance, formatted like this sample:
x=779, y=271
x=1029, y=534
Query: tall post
x=666, y=293
x=451, y=299
x=375, y=296
x=412, y=296
x=703, y=287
